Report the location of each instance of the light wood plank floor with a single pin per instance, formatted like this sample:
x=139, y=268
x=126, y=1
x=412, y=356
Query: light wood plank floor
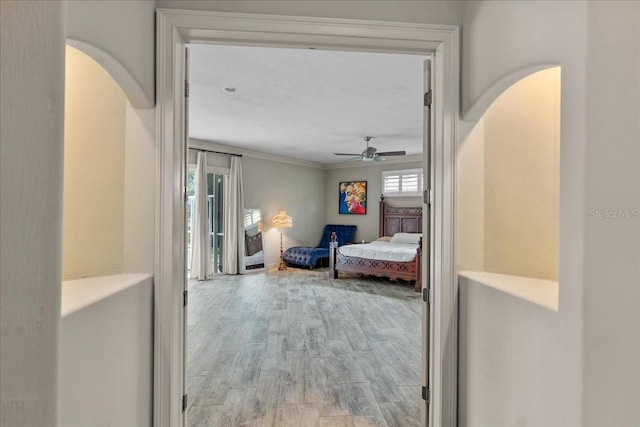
x=296, y=349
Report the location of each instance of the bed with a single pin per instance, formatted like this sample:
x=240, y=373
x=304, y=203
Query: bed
x=393, y=220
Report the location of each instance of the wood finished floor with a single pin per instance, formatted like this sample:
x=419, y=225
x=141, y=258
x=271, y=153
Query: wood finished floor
x=296, y=349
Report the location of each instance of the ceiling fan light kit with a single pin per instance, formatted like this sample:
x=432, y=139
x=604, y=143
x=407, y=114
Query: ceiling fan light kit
x=371, y=153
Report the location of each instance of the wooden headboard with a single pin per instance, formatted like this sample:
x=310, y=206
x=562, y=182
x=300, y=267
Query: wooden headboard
x=399, y=220
x=253, y=243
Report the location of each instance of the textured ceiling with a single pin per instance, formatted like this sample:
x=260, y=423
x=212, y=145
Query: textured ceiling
x=303, y=103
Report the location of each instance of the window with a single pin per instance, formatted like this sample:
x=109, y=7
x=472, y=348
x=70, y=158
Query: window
x=407, y=182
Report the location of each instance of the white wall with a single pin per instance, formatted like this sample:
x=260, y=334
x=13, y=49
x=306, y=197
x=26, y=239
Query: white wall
x=106, y=351
x=611, y=315
x=470, y=201
x=433, y=12
x=139, y=190
x=552, y=33
x=94, y=147
x=511, y=39
x=368, y=225
x=300, y=190
x=31, y=156
x=507, y=365
x=120, y=36
x=502, y=41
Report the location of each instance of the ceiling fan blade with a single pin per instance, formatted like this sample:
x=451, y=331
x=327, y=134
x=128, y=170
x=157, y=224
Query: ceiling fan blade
x=347, y=154
x=392, y=153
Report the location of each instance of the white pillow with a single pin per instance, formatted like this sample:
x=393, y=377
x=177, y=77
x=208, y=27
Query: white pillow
x=406, y=238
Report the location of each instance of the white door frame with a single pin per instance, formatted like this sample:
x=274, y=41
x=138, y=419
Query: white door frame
x=174, y=29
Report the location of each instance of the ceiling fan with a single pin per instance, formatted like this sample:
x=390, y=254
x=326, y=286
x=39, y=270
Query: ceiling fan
x=371, y=153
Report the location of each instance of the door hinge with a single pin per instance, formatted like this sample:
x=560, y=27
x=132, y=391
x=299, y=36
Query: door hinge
x=427, y=194
x=428, y=98
x=184, y=402
x=426, y=395
x=186, y=88
x=186, y=198
x=185, y=298
x=426, y=295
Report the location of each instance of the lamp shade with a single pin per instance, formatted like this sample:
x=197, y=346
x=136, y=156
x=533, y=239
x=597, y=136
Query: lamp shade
x=282, y=220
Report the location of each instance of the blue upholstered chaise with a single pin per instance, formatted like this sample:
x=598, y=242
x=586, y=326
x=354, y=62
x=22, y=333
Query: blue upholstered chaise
x=305, y=256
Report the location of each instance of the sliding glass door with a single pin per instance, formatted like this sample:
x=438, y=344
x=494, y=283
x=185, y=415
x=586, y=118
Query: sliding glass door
x=215, y=184
x=215, y=196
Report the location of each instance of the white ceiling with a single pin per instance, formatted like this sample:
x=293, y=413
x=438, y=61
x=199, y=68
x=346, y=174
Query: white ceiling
x=303, y=103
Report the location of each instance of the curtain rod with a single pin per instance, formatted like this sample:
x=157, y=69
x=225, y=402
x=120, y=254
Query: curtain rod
x=217, y=152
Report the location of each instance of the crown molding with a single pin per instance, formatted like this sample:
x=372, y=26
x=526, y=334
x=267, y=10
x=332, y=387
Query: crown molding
x=208, y=145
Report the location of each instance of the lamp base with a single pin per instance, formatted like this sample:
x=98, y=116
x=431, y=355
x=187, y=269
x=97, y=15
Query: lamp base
x=282, y=265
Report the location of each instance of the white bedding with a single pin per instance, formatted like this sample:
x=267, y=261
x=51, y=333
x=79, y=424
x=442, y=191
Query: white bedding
x=384, y=251
x=255, y=259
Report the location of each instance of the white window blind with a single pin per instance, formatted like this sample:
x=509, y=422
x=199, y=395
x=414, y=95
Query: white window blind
x=407, y=182
x=251, y=216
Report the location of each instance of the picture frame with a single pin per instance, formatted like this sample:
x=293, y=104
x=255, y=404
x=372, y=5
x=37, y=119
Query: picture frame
x=352, y=198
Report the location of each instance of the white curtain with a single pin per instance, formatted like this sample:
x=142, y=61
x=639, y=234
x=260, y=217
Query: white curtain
x=201, y=239
x=234, y=220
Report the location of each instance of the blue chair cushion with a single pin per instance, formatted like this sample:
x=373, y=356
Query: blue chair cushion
x=307, y=256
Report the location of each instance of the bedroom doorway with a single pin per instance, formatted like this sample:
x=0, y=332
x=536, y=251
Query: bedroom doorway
x=242, y=330
x=177, y=29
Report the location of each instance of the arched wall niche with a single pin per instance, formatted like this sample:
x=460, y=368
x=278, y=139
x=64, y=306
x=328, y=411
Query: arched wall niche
x=125, y=79
x=488, y=97
x=94, y=169
x=105, y=136
x=508, y=178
